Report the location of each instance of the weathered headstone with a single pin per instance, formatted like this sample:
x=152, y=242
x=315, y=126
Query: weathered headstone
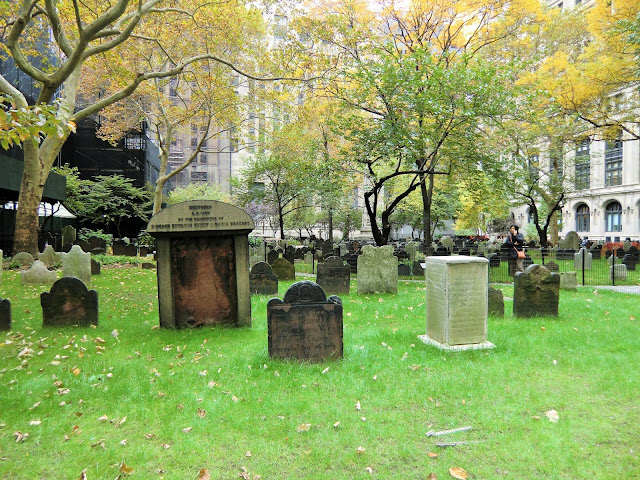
x=582, y=257
x=131, y=250
x=568, y=281
x=619, y=270
x=305, y=325
x=552, y=266
x=457, y=303
x=49, y=256
x=97, y=245
x=148, y=266
x=5, y=313
x=496, y=302
x=69, y=302
x=412, y=251
x=334, y=276
x=96, y=266
x=377, y=270
x=68, y=235
x=262, y=280
x=447, y=242
x=283, y=269
x=38, y=274
x=417, y=270
x=626, y=245
x=203, y=264
x=84, y=245
x=272, y=256
x=23, y=259
x=76, y=263
x=119, y=247
x=630, y=261
x=536, y=291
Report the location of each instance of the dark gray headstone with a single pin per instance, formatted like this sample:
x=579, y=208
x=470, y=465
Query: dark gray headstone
x=305, y=325
x=536, y=291
x=5, y=314
x=148, y=266
x=496, y=302
x=334, y=276
x=272, y=256
x=404, y=270
x=95, y=267
x=68, y=235
x=97, y=245
x=69, y=302
x=119, y=247
x=417, y=269
x=131, y=250
x=552, y=266
x=630, y=261
x=262, y=280
x=283, y=269
x=84, y=245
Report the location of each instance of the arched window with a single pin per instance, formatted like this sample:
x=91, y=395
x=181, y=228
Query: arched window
x=613, y=217
x=582, y=218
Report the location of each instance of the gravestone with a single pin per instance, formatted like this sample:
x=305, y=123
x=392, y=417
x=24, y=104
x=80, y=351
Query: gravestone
x=496, y=302
x=626, y=245
x=84, y=245
x=552, y=266
x=619, y=270
x=412, y=251
x=283, y=269
x=119, y=247
x=76, y=263
x=272, y=256
x=352, y=260
x=131, y=250
x=582, y=256
x=457, y=303
x=203, y=264
x=377, y=270
x=95, y=267
x=143, y=251
x=417, y=270
x=630, y=261
x=97, y=245
x=68, y=235
x=334, y=276
x=536, y=291
x=305, y=325
x=404, y=270
x=23, y=259
x=66, y=248
x=308, y=258
x=38, y=274
x=494, y=260
x=1, y=262
x=5, y=313
x=568, y=281
x=68, y=303
x=49, y=256
x=262, y=280
x=447, y=242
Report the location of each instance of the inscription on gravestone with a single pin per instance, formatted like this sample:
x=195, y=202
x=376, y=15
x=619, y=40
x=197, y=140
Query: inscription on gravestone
x=68, y=303
x=203, y=264
x=305, y=325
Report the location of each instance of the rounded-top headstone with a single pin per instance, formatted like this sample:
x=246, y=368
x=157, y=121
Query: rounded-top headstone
x=333, y=261
x=199, y=216
x=538, y=272
x=23, y=258
x=261, y=268
x=305, y=291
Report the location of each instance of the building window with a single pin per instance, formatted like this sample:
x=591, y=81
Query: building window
x=582, y=218
x=613, y=217
x=613, y=163
x=194, y=143
x=203, y=159
x=281, y=23
x=199, y=177
x=583, y=166
x=533, y=163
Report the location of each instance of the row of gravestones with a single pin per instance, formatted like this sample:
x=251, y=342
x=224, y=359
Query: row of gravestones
x=75, y=263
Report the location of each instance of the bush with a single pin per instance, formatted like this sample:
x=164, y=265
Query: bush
x=86, y=233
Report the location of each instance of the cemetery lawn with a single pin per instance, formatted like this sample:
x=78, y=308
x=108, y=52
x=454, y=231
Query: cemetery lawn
x=129, y=399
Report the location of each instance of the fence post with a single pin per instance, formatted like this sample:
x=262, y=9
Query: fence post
x=613, y=267
x=584, y=254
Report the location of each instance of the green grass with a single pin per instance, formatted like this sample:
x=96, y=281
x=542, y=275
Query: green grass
x=582, y=364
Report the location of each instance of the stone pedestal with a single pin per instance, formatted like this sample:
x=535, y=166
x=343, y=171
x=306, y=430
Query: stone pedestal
x=203, y=264
x=457, y=303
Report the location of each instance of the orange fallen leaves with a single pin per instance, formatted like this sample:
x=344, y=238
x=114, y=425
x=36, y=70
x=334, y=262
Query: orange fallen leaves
x=459, y=473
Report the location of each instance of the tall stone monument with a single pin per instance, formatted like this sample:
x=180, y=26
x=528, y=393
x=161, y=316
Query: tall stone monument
x=457, y=303
x=203, y=264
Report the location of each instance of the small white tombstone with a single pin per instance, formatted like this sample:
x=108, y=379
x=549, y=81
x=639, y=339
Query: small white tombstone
x=578, y=259
x=568, y=280
x=377, y=270
x=76, y=263
x=457, y=303
x=619, y=270
x=38, y=274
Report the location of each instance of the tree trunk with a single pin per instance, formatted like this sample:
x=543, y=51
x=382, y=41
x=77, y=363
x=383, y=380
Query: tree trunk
x=281, y=223
x=330, y=224
x=426, y=189
x=553, y=228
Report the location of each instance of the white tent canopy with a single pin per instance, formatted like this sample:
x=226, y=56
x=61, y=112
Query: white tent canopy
x=45, y=209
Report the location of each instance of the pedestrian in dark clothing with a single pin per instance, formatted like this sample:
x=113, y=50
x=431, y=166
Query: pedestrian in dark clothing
x=515, y=242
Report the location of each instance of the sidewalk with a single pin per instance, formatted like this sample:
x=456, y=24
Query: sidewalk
x=617, y=288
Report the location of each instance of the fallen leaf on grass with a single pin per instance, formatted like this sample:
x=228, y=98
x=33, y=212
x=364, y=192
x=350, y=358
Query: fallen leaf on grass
x=248, y=454
x=632, y=318
x=149, y=436
x=125, y=470
x=99, y=443
x=358, y=406
x=20, y=437
x=432, y=455
x=165, y=445
x=123, y=441
x=369, y=470
x=35, y=422
x=360, y=449
x=553, y=416
x=202, y=413
x=325, y=370
x=103, y=418
x=187, y=430
x=83, y=475
x=458, y=472
x=432, y=476
x=303, y=427
x=35, y=405
x=204, y=474
x=336, y=425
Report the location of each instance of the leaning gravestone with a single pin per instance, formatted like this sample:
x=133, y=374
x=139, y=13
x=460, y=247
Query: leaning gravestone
x=262, y=280
x=305, y=325
x=283, y=269
x=38, y=274
x=23, y=259
x=203, y=264
x=68, y=235
x=377, y=270
x=49, y=256
x=496, y=302
x=68, y=303
x=536, y=291
x=457, y=303
x=76, y=263
x=334, y=276
x=583, y=256
x=5, y=312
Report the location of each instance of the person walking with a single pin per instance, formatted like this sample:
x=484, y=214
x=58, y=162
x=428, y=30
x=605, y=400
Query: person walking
x=515, y=242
